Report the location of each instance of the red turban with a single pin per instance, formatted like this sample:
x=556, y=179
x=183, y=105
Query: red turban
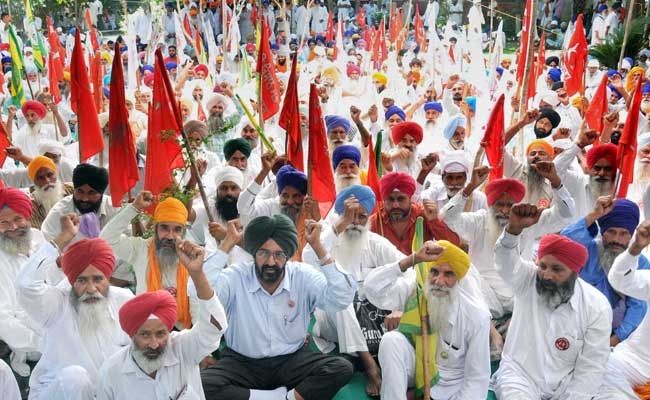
x=397, y=181
x=87, y=252
x=570, y=253
x=498, y=187
x=407, y=128
x=201, y=67
x=35, y=106
x=136, y=311
x=16, y=200
x=606, y=151
x=148, y=79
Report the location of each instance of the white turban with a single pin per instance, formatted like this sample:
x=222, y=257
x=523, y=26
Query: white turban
x=563, y=144
x=214, y=98
x=643, y=140
x=50, y=146
x=454, y=162
x=229, y=174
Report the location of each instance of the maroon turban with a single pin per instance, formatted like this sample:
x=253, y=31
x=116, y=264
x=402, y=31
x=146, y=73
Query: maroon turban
x=570, y=253
x=498, y=187
x=407, y=128
x=397, y=181
x=136, y=311
x=87, y=252
x=16, y=200
x=35, y=106
x=606, y=151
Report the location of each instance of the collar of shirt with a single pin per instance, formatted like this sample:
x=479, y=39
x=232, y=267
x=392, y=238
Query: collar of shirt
x=253, y=282
x=169, y=359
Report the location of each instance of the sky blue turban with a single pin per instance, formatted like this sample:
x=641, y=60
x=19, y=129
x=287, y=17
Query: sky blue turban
x=392, y=110
x=346, y=152
x=433, y=105
x=457, y=121
x=471, y=102
x=624, y=215
x=334, y=121
x=288, y=176
x=363, y=193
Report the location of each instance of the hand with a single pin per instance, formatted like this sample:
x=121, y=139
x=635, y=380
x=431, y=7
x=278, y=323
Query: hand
x=227, y=90
x=641, y=238
x=312, y=233
x=144, y=199
x=531, y=116
x=586, y=137
x=604, y=205
x=373, y=113
x=391, y=321
x=429, y=162
x=522, y=216
x=429, y=251
x=430, y=210
x=402, y=154
x=610, y=120
x=191, y=255
x=201, y=166
x=141, y=107
x=70, y=225
x=479, y=175
x=12, y=111
x=386, y=162
x=54, y=107
x=311, y=207
x=268, y=159
x=234, y=235
x=514, y=103
x=217, y=231
x=548, y=171
x=352, y=207
x=355, y=114
x=453, y=78
x=14, y=152
x=562, y=133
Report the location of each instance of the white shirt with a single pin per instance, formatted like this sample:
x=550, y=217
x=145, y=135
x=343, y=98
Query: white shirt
x=438, y=193
x=576, y=182
x=179, y=377
x=28, y=142
x=250, y=208
x=611, y=23
x=598, y=30
x=562, y=351
x=62, y=345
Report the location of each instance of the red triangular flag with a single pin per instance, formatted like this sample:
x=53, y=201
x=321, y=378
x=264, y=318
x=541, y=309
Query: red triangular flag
x=361, y=17
x=493, y=140
x=381, y=45
x=123, y=173
x=93, y=34
x=330, y=27
x=319, y=164
x=598, y=106
x=269, y=82
x=523, y=47
x=392, y=27
x=91, y=140
x=418, y=28
x=290, y=119
x=254, y=15
x=627, y=144
x=54, y=80
x=575, y=60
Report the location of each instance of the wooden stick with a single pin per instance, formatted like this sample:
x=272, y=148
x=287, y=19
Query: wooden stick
x=628, y=25
x=424, y=321
x=523, y=100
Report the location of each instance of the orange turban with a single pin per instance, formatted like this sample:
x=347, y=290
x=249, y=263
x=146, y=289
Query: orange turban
x=87, y=252
x=136, y=311
x=171, y=210
x=546, y=146
x=37, y=163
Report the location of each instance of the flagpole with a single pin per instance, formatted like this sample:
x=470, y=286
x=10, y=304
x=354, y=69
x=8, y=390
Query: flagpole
x=628, y=25
x=260, y=113
x=523, y=100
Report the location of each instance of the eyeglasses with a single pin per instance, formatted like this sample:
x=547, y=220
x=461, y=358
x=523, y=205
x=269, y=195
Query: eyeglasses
x=264, y=254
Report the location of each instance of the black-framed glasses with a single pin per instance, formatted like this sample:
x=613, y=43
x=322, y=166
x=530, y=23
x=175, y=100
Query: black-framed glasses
x=279, y=256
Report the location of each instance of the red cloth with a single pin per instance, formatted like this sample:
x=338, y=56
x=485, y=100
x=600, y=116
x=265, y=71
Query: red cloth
x=136, y=311
x=418, y=29
x=570, y=253
x=4, y=143
x=16, y=200
x=201, y=67
x=148, y=79
x=290, y=120
x=575, y=60
x=523, y=47
x=627, y=144
x=399, y=181
x=330, y=27
x=319, y=165
x=91, y=139
x=606, y=151
x=53, y=78
x=380, y=50
x=93, y=34
x=269, y=82
x=87, y=252
x=598, y=106
x=498, y=187
x=361, y=17
x=435, y=229
x=35, y=106
x=407, y=128
x=493, y=140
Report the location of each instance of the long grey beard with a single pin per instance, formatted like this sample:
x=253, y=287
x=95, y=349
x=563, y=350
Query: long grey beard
x=48, y=198
x=167, y=258
x=607, y=258
x=21, y=245
x=148, y=365
x=600, y=188
x=439, y=305
x=642, y=172
x=215, y=122
x=557, y=296
x=343, y=181
x=34, y=129
x=96, y=327
x=495, y=227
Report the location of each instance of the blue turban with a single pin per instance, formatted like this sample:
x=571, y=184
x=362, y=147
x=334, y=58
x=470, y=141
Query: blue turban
x=555, y=74
x=107, y=80
x=624, y=215
x=274, y=46
x=471, y=102
x=457, y=121
x=170, y=65
x=392, y=110
x=348, y=32
x=331, y=43
x=320, y=38
x=122, y=49
x=433, y=105
x=288, y=176
x=147, y=67
x=363, y=193
x=334, y=121
x=602, y=8
x=499, y=70
x=629, y=60
x=613, y=72
x=645, y=89
x=293, y=41
x=613, y=89
x=346, y=152
x=6, y=59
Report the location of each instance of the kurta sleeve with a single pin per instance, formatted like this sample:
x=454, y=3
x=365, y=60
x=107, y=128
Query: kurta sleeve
x=331, y=288
x=625, y=277
x=249, y=207
x=388, y=288
x=125, y=247
x=204, y=336
x=466, y=224
x=516, y=272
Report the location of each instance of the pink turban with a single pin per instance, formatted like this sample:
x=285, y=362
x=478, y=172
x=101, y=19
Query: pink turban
x=87, y=252
x=352, y=68
x=136, y=311
x=597, y=152
x=16, y=200
x=397, y=181
x=35, y=106
x=407, y=128
x=570, y=253
x=498, y=187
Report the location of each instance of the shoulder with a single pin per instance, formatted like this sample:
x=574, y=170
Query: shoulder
x=594, y=299
x=477, y=315
x=121, y=295
x=64, y=205
x=113, y=366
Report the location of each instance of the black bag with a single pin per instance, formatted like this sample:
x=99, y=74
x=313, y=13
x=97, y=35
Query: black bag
x=371, y=320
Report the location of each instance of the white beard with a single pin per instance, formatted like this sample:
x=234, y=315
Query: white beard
x=14, y=247
x=599, y=189
x=495, y=227
x=352, y=242
x=34, y=130
x=96, y=327
x=642, y=172
x=49, y=195
x=148, y=365
x=343, y=181
x=439, y=305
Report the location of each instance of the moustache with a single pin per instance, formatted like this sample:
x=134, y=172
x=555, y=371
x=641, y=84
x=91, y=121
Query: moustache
x=603, y=179
x=171, y=243
x=152, y=353
x=91, y=298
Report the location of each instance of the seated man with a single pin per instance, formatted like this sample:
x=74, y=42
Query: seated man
x=346, y=159
x=558, y=340
x=48, y=188
x=406, y=157
x=617, y=222
x=160, y=363
x=268, y=304
x=236, y=153
x=458, y=318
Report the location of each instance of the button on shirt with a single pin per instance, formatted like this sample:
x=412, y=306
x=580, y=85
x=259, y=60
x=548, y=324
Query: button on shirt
x=267, y=325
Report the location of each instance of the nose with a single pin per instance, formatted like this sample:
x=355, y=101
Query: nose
x=153, y=344
x=91, y=288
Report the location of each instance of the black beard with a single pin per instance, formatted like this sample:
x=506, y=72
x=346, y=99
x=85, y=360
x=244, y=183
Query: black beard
x=282, y=62
x=396, y=218
x=86, y=207
x=540, y=133
x=269, y=273
x=227, y=207
x=458, y=97
x=555, y=294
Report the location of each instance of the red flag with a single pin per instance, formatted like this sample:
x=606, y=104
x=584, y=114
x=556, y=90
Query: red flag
x=627, y=146
x=575, y=60
x=266, y=68
x=187, y=27
x=163, y=147
x=361, y=17
x=523, y=47
x=197, y=43
x=58, y=58
x=392, y=25
x=418, y=27
x=321, y=177
x=54, y=80
x=373, y=174
x=123, y=172
x=290, y=119
x=493, y=140
x=91, y=140
x=93, y=34
x=96, y=79
x=451, y=54
x=254, y=15
x=330, y=27
x=598, y=106
x=4, y=143
x=2, y=82
x=380, y=45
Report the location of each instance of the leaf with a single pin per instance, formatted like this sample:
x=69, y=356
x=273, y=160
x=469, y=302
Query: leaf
x=609, y=52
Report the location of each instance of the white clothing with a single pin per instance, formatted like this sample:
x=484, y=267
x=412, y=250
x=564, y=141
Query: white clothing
x=438, y=193
x=598, y=30
x=28, y=142
x=550, y=354
x=8, y=385
x=576, y=182
x=249, y=207
x=319, y=17
x=431, y=14
x=611, y=23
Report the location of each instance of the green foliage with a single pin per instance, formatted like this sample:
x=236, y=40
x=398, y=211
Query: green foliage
x=609, y=52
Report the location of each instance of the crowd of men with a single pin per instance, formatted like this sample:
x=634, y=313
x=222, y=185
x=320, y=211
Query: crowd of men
x=260, y=292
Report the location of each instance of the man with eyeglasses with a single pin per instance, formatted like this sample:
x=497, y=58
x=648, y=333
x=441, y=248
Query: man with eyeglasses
x=268, y=302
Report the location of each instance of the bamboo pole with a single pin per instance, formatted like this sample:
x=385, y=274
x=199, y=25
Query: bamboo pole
x=628, y=25
x=523, y=100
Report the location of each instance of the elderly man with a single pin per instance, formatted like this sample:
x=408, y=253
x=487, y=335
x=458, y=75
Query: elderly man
x=338, y=129
x=154, y=262
x=217, y=106
x=358, y=252
x=396, y=220
x=458, y=319
x=404, y=158
x=538, y=188
x=48, y=189
x=454, y=133
x=30, y=135
x=88, y=200
x=136, y=371
x=79, y=321
x=558, y=340
x=236, y=153
x=617, y=222
x=345, y=160
x=268, y=303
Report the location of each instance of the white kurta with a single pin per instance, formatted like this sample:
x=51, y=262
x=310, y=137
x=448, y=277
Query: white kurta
x=576, y=182
x=8, y=385
x=28, y=142
x=554, y=354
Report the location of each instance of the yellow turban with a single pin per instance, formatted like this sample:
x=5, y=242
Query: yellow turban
x=576, y=101
x=457, y=259
x=331, y=72
x=66, y=75
x=629, y=83
x=106, y=56
x=37, y=163
x=171, y=210
x=381, y=77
